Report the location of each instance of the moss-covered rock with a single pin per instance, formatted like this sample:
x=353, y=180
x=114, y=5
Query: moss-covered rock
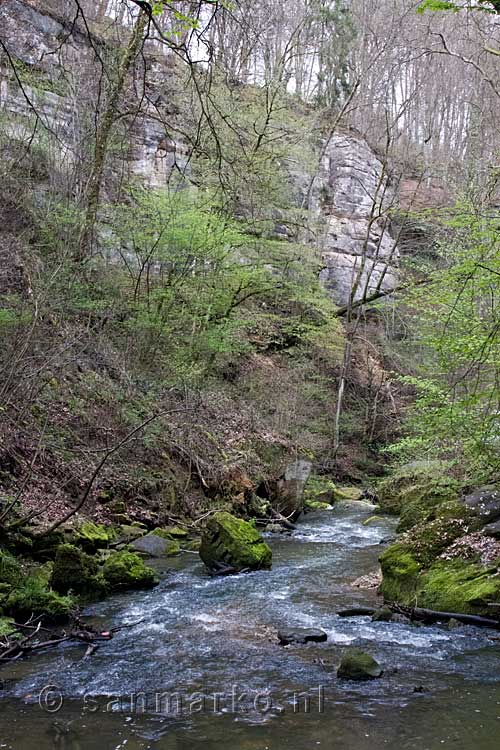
x=228, y=541
x=358, y=665
x=348, y=493
x=458, y=586
x=126, y=570
x=75, y=571
x=33, y=596
x=92, y=536
x=415, y=489
x=319, y=489
x=400, y=572
x=316, y=505
x=171, y=532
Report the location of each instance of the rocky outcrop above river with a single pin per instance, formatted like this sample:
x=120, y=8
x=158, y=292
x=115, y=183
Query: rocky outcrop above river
x=351, y=194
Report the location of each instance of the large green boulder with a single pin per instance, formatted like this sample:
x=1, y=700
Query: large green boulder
x=358, y=665
x=75, y=571
x=126, y=570
x=231, y=543
x=92, y=536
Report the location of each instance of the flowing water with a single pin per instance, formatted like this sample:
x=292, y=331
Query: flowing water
x=203, y=668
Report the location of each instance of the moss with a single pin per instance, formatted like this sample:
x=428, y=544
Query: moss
x=75, y=571
x=171, y=532
x=192, y=545
x=358, y=665
x=348, y=493
x=416, y=488
x=126, y=570
x=316, y=505
x=400, y=571
x=319, y=489
x=228, y=540
x=10, y=569
x=35, y=597
x=426, y=541
x=458, y=586
x=7, y=627
x=92, y=536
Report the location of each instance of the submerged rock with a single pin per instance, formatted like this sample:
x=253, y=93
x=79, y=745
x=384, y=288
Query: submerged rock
x=301, y=635
x=358, y=665
x=230, y=542
x=126, y=570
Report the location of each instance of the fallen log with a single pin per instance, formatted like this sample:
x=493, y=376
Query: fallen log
x=424, y=615
x=431, y=616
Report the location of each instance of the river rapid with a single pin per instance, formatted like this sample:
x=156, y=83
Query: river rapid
x=200, y=666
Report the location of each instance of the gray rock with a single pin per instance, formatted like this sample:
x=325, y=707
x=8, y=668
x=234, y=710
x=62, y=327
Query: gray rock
x=155, y=546
x=485, y=503
x=358, y=665
x=301, y=635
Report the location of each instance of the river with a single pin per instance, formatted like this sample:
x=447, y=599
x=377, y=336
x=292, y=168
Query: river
x=199, y=664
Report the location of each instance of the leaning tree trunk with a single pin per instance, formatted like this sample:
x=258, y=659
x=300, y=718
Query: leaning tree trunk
x=104, y=128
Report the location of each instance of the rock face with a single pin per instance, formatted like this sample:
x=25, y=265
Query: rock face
x=485, y=503
x=358, y=665
x=233, y=544
x=289, y=493
x=349, y=191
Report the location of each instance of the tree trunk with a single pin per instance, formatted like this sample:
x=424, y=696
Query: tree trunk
x=104, y=128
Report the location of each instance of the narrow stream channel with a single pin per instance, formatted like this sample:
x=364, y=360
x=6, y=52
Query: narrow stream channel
x=153, y=685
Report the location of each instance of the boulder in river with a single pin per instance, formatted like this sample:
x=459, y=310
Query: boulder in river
x=301, y=635
x=229, y=543
x=126, y=570
x=358, y=665
x=156, y=546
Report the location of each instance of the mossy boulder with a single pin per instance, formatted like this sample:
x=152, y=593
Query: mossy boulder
x=230, y=542
x=415, y=490
x=358, y=665
x=92, y=536
x=459, y=586
x=34, y=597
x=75, y=571
x=348, y=493
x=171, y=532
x=126, y=570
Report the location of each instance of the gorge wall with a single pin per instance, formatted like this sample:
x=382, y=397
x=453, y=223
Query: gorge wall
x=348, y=190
